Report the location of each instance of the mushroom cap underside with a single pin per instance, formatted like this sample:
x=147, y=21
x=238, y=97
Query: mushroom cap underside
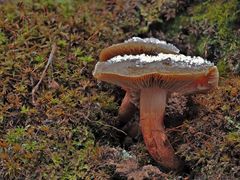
x=177, y=81
x=139, y=46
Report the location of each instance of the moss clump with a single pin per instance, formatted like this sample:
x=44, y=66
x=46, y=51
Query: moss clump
x=59, y=151
x=201, y=44
x=223, y=68
x=221, y=15
x=106, y=102
x=233, y=138
x=211, y=28
x=3, y=38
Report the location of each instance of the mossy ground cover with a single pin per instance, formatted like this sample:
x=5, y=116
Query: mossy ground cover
x=68, y=131
x=212, y=27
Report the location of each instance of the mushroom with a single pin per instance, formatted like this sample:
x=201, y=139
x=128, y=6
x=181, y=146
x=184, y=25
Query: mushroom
x=150, y=70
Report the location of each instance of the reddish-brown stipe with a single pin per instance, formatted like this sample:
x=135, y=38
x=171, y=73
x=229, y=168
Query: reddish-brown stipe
x=152, y=108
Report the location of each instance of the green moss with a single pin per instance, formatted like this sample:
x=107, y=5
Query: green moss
x=24, y=110
x=39, y=59
x=62, y=43
x=221, y=17
x=214, y=21
x=15, y=135
x=64, y=7
x=201, y=45
x=3, y=38
x=233, y=138
x=86, y=59
x=219, y=13
x=223, y=68
x=231, y=122
x=107, y=102
x=175, y=27
x=30, y=146
x=64, y=151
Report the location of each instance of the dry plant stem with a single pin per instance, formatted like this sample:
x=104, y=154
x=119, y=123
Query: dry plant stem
x=126, y=110
x=152, y=108
x=106, y=125
x=50, y=59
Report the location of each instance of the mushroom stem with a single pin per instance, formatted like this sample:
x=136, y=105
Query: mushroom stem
x=126, y=110
x=152, y=108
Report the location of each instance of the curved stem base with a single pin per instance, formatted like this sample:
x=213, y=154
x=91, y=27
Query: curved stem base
x=152, y=108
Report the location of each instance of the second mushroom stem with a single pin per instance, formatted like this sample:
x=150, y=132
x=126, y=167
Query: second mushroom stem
x=152, y=108
x=126, y=111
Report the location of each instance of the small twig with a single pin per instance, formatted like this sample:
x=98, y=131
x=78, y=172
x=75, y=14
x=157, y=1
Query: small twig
x=175, y=129
x=106, y=125
x=50, y=59
x=94, y=34
x=109, y=126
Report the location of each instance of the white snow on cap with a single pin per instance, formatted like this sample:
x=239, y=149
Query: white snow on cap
x=171, y=58
x=162, y=44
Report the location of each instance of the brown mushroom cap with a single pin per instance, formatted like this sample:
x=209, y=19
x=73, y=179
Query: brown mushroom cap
x=136, y=45
x=175, y=73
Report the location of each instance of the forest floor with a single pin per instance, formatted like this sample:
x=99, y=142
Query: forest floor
x=65, y=128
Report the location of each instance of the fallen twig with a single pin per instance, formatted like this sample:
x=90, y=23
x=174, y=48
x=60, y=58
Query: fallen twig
x=103, y=124
x=50, y=59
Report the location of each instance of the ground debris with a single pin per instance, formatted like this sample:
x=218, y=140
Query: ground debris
x=126, y=165
x=131, y=170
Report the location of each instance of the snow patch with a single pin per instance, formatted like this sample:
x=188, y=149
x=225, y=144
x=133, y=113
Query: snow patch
x=168, y=58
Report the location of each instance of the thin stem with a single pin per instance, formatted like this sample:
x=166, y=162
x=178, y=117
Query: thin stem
x=50, y=59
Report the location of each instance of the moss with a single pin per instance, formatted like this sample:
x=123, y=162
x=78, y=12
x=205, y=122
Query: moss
x=219, y=13
x=223, y=68
x=3, y=38
x=107, y=102
x=233, y=138
x=15, y=135
x=201, y=45
x=64, y=156
x=176, y=26
x=210, y=27
x=221, y=17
